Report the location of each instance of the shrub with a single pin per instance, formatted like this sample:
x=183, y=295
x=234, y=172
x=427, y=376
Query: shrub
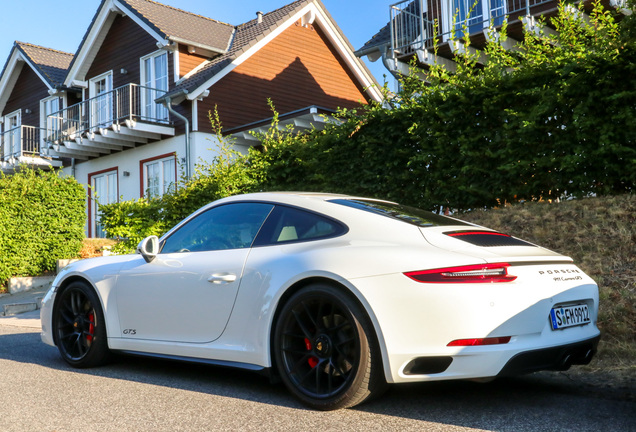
x=42, y=218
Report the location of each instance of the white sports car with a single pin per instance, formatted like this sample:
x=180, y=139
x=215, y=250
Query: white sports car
x=336, y=295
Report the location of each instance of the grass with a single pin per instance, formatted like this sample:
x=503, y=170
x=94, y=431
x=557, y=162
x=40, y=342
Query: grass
x=600, y=235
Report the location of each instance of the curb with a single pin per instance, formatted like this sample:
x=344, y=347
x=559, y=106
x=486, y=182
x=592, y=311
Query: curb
x=18, y=308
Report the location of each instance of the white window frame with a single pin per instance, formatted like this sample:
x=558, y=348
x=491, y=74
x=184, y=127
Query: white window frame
x=150, y=110
x=44, y=113
x=448, y=11
x=96, y=230
x=98, y=105
x=10, y=140
x=165, y=183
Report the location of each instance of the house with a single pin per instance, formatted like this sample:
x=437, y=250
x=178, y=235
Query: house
x=28, y=93
x=419, y=28
x=134, y=102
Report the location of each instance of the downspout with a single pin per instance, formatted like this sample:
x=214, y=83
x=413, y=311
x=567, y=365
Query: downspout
x=167, y=102
x=73, y=167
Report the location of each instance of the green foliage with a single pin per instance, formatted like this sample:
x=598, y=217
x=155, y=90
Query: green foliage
x=42, y=218
x=552, y=119
x=225, y=175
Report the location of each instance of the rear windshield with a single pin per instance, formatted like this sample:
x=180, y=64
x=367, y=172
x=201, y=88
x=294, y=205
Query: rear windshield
x=412, y=215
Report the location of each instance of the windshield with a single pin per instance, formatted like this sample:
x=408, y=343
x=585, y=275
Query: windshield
x=412, y=215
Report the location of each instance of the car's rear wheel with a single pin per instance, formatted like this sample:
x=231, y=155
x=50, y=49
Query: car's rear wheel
x=78, y=323
x=325, y=350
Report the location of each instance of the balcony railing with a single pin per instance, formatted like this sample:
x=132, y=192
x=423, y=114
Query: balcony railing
x=20, y=141
x=420, y=24
x=131, y=102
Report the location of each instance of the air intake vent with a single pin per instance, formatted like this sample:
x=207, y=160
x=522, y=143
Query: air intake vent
x=487, y=238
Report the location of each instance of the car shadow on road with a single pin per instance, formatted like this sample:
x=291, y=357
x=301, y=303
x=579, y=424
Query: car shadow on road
x=538, y=399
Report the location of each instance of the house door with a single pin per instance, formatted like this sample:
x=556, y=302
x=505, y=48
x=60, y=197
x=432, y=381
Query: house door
x=154, y=70
x=102, y=101
x=12, y=135
x=104, y=191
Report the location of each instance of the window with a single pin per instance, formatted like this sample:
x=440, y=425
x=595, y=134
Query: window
x=154, y=80
x=101, y=100
x=159, y=176
x=229, y=226
x=12, y=123
x=412, y=215
x=476, y=15
x=289, y=225
x=49, y=125
x=104, y=191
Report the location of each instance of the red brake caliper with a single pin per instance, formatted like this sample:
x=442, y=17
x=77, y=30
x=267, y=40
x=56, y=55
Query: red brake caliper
x=313, y=361
x=91, y=327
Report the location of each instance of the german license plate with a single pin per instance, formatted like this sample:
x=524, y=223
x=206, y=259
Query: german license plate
x=569, y=316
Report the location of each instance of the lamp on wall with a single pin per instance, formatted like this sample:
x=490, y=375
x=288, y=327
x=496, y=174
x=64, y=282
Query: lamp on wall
x=126, y=173
x=123, y=71
x=27, y=111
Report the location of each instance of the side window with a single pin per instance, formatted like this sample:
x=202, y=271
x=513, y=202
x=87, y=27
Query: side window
x=230, y=226
x=287, y=225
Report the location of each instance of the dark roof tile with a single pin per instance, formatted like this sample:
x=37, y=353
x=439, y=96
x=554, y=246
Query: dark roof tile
x=176, y=23
x=52, y=64
x=246, y=35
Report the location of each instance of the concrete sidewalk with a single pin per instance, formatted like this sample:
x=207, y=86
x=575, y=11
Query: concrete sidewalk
x=21, y=302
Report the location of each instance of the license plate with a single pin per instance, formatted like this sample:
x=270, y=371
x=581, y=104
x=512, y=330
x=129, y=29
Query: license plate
x=569, y=316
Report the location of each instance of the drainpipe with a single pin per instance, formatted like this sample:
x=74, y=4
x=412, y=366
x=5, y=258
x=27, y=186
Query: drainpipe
x=73, y=167
x=167, y=102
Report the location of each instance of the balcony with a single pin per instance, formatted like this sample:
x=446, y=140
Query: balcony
x=21, y=145
x=113, y=121
x=416, y=24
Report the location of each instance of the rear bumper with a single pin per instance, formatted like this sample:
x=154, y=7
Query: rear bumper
x=556, y=358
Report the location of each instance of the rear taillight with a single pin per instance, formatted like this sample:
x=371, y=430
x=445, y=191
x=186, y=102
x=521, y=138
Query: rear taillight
x=479, y=273
x=480, y=341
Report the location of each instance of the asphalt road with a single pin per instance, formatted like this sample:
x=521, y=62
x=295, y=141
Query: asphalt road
x=41, y=393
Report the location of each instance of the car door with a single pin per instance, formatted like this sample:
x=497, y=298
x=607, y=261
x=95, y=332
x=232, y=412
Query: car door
x=187, y=293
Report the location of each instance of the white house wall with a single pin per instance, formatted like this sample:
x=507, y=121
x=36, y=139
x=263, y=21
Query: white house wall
x=204, y=148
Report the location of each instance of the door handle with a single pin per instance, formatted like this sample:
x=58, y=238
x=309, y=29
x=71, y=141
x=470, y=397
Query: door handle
x=222, y=278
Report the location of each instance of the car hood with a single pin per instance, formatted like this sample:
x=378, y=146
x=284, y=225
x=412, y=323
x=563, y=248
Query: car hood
x=487, y=244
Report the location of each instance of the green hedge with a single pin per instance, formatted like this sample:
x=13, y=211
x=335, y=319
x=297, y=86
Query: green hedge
x=42, y=218
x=551, y=120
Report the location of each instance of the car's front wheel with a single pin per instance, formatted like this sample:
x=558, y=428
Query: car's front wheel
x=325, y=351
x=78, y=323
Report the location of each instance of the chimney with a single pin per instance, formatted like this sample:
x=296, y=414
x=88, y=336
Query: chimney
x=259, y=17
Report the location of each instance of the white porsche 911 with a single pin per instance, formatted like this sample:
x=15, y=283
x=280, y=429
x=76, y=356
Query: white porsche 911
x=336, y=295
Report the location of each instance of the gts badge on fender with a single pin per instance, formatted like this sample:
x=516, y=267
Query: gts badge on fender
x=130, y=332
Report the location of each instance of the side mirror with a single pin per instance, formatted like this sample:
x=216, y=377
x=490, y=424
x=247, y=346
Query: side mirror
x=149, y=248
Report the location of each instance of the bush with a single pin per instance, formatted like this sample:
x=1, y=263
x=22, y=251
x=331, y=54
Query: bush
x=42, y=218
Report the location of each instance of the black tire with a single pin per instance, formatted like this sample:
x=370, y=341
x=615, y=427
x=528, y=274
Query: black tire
x=79, y=327
x=325, y=349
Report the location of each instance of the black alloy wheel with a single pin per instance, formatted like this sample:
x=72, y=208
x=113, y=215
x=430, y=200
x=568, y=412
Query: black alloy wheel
x=78, y=325
x=325, y=350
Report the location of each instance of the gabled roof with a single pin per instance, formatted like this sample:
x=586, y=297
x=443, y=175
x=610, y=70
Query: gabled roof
x=181, y=26
x=49, y=64
x=165, y=23
x=246, y=36
x=251, y=35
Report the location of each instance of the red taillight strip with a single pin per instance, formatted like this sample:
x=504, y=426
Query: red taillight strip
x=480, y=341
x=463, y=233
x=477, y=273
